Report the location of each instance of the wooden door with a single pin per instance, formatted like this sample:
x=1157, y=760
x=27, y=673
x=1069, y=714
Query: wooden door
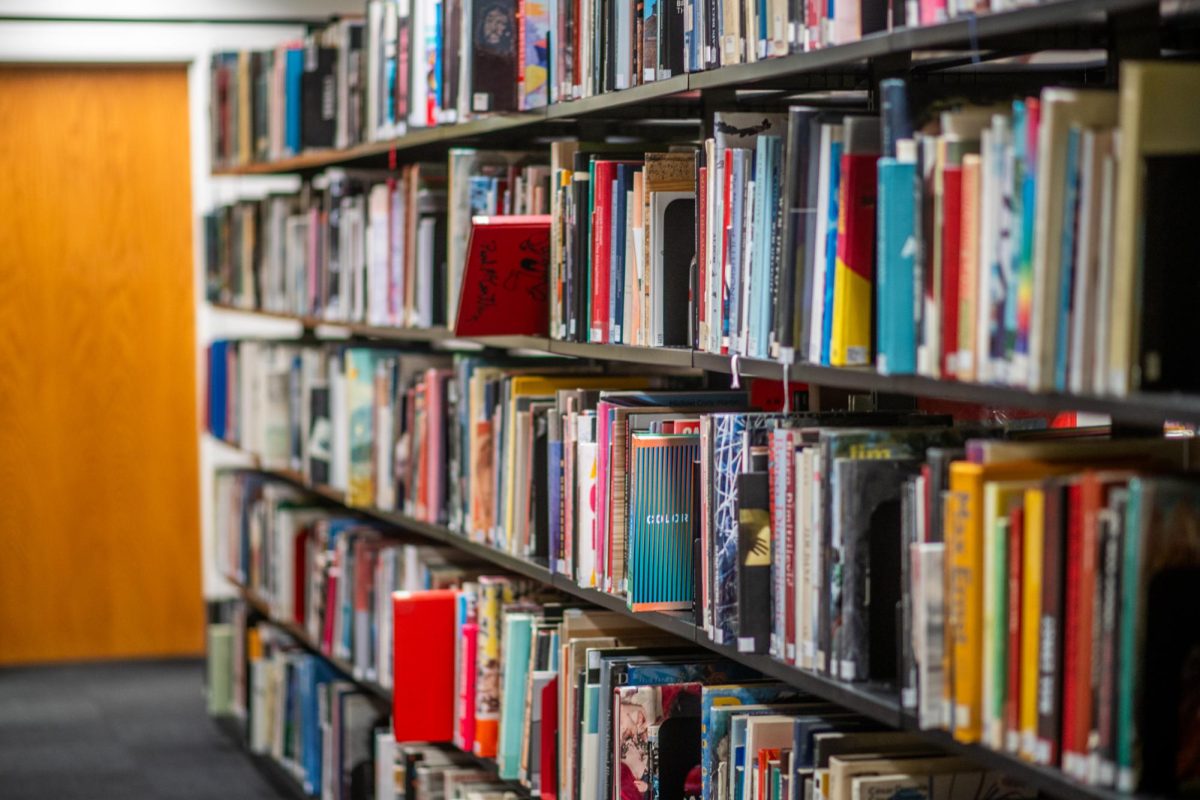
x=99, y=497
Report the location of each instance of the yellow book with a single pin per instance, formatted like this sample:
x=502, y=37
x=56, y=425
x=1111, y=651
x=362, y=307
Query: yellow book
x=964, y=539
x=1031, y=610
x=245, y=112
x=999, y=499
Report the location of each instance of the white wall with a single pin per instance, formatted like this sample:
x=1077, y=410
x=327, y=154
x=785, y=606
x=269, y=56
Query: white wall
x=189, y=44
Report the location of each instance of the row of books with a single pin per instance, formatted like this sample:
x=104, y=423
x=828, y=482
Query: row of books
x=300, y=712
x=367, y=246
x=772, y=528
x=1027, y=244
x=330, y=573
x=412, y=65
x=576, y=703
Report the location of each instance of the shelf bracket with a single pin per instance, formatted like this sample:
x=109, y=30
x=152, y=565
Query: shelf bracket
x=1132, y=34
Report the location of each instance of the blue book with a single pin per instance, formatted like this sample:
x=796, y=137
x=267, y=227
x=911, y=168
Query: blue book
x=895, y=324
x=218, y=387
x=660, y=561
x=515, y=641
x=737, y=224
x=1066, y=269
x=897, y=124
x=292, y=74
x=311, y=674
x=760, y=225
x=831, y=246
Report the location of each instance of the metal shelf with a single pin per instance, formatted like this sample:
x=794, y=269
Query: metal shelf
x=1053, y=24
x=1145, y=409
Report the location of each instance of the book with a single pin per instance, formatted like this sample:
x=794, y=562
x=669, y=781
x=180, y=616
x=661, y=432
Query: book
x=426, y=714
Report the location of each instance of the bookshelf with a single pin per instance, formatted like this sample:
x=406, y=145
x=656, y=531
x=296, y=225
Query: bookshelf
x=1138, y=409
x=877, y=705
x=929, y=56
x=1057, y=24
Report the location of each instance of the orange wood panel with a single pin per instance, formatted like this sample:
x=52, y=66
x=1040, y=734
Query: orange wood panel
x=99, y=497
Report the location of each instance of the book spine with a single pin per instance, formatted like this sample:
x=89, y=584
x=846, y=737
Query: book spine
x=855, y=267
x=1050, y=642
x=895, y=322
x=964, y=538
x=1031, y=587
x=951, y=272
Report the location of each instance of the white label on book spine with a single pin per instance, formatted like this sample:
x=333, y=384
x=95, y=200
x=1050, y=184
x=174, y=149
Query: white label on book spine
x=745, y=644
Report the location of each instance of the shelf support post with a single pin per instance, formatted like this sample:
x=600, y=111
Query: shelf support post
x=1132, y=34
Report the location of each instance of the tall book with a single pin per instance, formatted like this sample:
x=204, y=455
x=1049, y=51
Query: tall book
x=854, y=279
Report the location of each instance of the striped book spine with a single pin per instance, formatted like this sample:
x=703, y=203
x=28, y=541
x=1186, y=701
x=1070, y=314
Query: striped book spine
x=661, y=574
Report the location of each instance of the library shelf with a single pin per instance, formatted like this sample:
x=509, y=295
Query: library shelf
x=879, y=704
x=1055, y=24
x=274, y=772
x=301, y=637
x=1142, y=409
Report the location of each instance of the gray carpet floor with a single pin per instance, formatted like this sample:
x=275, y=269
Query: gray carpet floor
x=126, y=730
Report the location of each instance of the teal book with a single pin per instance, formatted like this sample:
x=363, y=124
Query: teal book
x=895, y=321
x=518, y=628
x=661, y=504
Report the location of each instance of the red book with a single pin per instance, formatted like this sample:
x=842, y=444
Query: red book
x=331, y=609
x=601, y=230
x=300, y=575
x=1072, y=630
x=423, y=666
x=701, y=243
x=1078, y=678
x=549, y=758
x=951, y=261
x=1012, y=696
x=505, y=284
x=466, y=686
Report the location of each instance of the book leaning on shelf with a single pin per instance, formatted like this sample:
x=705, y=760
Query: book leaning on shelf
x=905, y=550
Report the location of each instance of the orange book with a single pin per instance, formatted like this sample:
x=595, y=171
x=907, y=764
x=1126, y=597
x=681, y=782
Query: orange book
x=968, y=275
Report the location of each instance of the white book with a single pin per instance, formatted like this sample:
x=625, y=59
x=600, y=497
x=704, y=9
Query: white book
x=742, y=333
x=829, y=134
x=385, y=766
x=339, y=467
x=377, y=255
x=928, y=628
x=987, y=249
x=426, y=235
x=631, y=256
x=1060, y=110
x=802, y=555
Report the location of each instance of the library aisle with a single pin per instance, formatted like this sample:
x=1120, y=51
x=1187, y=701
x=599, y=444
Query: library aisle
x=117, y=731
x=600, y=399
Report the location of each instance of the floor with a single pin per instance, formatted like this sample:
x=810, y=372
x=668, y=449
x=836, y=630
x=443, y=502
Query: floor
x=128, y=730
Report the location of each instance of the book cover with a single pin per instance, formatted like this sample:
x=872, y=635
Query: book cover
x=493, y=73
x=493, y=593
x=867, y=513
x=518, y=628
x=851, y=332
x=754, y=563
x=424, y=665
x=661, y=574
x=504, y=287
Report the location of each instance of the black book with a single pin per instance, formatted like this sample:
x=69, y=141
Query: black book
x=539, y=501
x=452, y=21
x=318, y=97
x=670, y=37
x=260, y=71
x=675, y=750
x=679, y=251
x=868, y=509
x=754, y=562
x=1169, y=257
x=356, y=68
x=493, y=55
x=710, y=55
x=1050, y=660
x=577, y=327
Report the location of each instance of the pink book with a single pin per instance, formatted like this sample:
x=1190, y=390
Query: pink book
x=465, y=724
